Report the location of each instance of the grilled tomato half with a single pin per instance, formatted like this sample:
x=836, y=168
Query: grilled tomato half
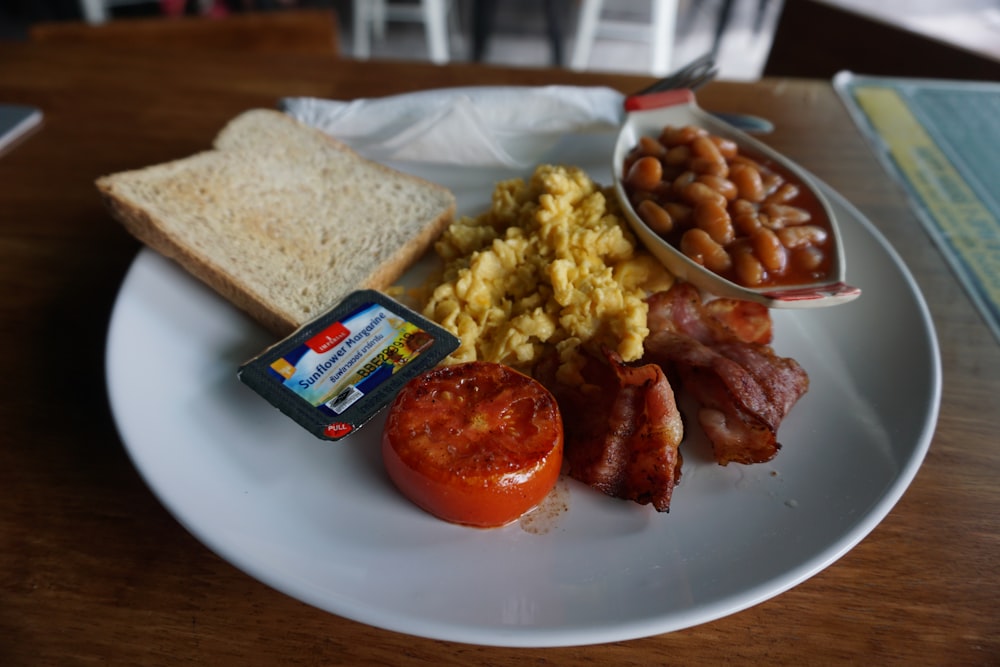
x=476, y=443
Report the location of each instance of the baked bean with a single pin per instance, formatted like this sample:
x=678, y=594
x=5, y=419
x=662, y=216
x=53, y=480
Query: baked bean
x=787, y=215
x=671, y=172
x=749, y=161
x=742, y=207
x=640, y=196
x=769, y=250
x=678, y=155
x=704, y=165
x=697, y=192
x=681, y=214
x=748, y=182
x=714, y=219
x=765, y=221
x=723, y=186
x=744, y=218
x=699, y=246
x=656, y=217
x=651, y=147
x=704, y=147
x=664, y=189
x=645, y=174
x=749, y=271
x=674, y=136
x=801, y=236
x=809, y=258
x=783, y=195
x=682, y=181
x=771, y=182
x=727, y=147
x=746, y=223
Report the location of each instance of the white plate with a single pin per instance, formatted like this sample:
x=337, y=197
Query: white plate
x=321, y=522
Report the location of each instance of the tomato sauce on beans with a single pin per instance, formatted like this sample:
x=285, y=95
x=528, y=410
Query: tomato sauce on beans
x=743, y=217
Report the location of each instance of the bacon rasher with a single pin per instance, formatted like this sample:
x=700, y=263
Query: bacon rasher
x=622, y=430
x=745, y=390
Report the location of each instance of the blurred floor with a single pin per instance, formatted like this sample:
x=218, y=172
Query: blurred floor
x=520, y=38
x=520, y=31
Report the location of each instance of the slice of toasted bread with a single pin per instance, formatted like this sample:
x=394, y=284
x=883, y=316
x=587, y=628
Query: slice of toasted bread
x=281, y=219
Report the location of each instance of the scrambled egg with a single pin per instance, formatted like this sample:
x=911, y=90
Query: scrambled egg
x=552, y=264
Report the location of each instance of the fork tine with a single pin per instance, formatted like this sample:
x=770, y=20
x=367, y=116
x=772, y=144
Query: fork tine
x=693, y=75
x=705, y=77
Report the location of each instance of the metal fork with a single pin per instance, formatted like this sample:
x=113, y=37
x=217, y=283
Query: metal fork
x=695, y=75
x=692, y=76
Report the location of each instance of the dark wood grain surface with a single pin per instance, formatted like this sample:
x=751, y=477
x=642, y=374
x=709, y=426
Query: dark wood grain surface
x=93, y=570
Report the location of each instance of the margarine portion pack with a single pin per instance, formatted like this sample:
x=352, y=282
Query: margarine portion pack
x=335, y=373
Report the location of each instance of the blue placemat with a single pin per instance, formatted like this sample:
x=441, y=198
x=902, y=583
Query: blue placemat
x=941, y=140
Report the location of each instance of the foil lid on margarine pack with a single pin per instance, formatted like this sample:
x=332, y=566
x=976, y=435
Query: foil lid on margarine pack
x=335, y=373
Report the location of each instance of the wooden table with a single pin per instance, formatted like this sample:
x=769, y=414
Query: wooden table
x=93, y=570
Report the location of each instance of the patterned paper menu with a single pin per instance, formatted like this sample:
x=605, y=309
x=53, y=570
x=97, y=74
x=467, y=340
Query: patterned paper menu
x=941, y=140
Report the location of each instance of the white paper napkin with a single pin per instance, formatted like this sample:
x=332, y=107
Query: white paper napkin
x=480, y=126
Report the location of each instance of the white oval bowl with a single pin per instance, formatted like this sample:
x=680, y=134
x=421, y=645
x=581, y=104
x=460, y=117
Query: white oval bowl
x=647, y=116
